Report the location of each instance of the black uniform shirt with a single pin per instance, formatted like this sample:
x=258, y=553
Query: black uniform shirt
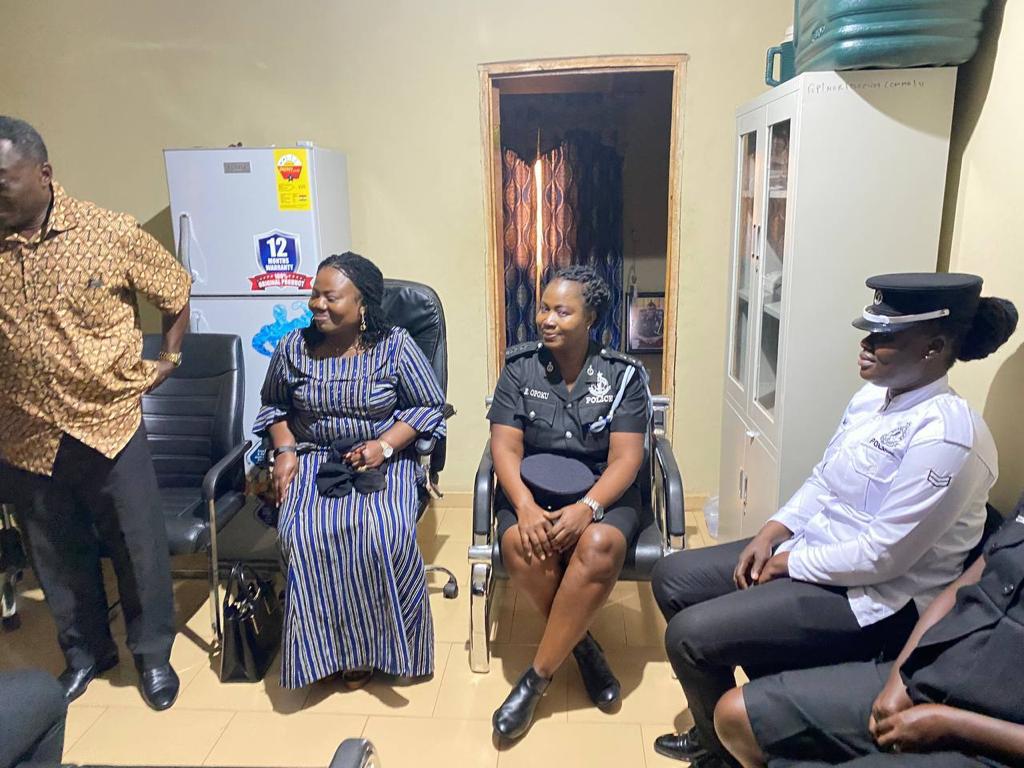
x=532, y=396
x=973, y=658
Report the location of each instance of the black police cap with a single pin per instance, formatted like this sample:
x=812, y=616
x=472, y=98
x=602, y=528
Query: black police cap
x=551, y=475
x=907, y=298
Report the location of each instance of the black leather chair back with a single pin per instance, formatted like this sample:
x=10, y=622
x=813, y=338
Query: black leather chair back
x=417, y=308
x=195, y=417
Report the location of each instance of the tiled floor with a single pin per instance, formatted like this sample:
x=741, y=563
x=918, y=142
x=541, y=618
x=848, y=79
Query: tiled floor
x=441, y=722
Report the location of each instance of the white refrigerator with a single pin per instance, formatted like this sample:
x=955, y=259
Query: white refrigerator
x=251, y=224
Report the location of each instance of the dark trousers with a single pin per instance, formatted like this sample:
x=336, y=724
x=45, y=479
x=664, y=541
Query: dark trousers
x=32, y=712
x=819, y=717
x=713, y=627
x=61, y=515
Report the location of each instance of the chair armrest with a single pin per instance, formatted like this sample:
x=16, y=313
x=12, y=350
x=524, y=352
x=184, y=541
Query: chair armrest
x=425, y=445
x=483, y=492
x=355, y=753
x=666, y=464
x=214, y=473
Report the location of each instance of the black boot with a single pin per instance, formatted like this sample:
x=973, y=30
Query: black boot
x=512, y=719
x=602, y=687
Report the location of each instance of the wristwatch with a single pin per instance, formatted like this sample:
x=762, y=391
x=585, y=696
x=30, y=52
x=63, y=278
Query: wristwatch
x=386, y=448
x=286, y=449
x=597, y=509
x=174, y=358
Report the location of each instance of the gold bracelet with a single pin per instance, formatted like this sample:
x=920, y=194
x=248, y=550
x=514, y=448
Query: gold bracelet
x=174, y=358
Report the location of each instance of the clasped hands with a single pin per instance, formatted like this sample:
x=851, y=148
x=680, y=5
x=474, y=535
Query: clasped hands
x=757, y=564
x=545, y=534
x=899, y=725
x=368, y=455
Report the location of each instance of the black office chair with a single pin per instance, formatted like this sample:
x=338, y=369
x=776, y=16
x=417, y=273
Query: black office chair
x=355, y=753
x=195, y=427
x=12, y=563
x=417, y=308
x=661, y=491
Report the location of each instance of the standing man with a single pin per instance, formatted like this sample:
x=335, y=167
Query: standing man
x=73, y=453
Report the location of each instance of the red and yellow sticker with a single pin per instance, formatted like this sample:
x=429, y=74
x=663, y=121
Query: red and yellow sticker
x=291, y=172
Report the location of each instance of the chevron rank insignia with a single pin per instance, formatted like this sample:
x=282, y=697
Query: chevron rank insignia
x=939, y=481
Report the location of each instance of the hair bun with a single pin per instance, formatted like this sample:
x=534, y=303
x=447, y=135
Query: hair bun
x=994, y=323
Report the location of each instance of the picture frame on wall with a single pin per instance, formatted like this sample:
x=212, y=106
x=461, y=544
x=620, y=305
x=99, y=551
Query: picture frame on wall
x=646, y=323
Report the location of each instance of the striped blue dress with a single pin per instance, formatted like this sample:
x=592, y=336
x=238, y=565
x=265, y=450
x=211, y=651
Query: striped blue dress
x=356, y=592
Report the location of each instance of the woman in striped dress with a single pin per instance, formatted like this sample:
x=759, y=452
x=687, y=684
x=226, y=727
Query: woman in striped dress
x=356, y=598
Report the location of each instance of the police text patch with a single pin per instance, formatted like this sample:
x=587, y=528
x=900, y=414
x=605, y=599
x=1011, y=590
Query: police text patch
x=939, y=481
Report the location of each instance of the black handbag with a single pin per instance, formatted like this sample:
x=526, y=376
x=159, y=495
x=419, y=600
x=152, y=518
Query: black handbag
x=252, y=627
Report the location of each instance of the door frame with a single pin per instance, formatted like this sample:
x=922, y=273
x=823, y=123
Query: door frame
x=490, y=76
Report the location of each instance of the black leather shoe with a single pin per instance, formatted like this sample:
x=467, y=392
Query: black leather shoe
x=159, y=686
x=74, y=681
x=602, y=686
x=512, y=719
x=681, y=746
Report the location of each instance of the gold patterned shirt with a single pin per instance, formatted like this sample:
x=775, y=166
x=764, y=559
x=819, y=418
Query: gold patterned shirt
x=70, y=337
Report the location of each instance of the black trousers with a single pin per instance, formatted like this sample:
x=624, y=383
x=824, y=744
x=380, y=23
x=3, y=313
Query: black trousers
x=61, y=515
x=713, y=627
x=819, y=717
x=32, y=712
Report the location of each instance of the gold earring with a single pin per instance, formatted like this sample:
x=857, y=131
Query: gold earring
x=362, y=321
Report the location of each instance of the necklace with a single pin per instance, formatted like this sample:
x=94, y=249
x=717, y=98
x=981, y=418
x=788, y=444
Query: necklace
x=328, y=349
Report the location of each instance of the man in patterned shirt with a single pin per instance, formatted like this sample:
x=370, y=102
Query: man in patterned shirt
x=73, y=454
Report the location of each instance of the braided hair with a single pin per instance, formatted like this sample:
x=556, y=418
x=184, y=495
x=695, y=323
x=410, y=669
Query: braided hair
x=369, y=281
x=596, y=294
x=976, y=338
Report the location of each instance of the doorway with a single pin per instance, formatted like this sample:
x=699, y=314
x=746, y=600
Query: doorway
x=581, y=162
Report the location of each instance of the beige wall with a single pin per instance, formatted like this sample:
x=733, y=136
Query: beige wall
x=393, y=84
x=982, y=232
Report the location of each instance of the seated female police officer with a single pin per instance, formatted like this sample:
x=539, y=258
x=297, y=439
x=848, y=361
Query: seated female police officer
x=953, y=699
x=568, y=397
x=882, y=525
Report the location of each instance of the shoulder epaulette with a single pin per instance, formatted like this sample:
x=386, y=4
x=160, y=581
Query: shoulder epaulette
x=613, y=354
x=522, y=349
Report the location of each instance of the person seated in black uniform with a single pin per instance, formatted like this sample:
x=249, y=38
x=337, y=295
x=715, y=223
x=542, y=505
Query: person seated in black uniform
x=568, y=397
x=953, y=698
x=32, y=716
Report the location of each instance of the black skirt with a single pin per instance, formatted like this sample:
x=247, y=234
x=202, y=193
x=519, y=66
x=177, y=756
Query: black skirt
x=625, y=513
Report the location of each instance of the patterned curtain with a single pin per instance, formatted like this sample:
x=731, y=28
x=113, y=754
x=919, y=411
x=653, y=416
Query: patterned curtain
x=582, y=218
x=560, y=211
x=581, y=221
x=519, y=240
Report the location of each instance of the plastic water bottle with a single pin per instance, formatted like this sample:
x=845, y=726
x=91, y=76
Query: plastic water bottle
x=711, y=516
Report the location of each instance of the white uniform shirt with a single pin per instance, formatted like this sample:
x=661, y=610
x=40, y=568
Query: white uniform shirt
x=896, y=503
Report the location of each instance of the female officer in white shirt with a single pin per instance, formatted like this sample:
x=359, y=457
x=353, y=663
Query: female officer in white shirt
x=883, y=523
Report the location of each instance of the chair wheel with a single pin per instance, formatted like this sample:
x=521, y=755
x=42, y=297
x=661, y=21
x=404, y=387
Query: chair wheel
x=451, y=590
x=8, y=598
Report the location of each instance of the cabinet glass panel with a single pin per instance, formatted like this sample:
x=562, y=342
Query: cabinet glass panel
x=744, y=247
x=772, y=264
